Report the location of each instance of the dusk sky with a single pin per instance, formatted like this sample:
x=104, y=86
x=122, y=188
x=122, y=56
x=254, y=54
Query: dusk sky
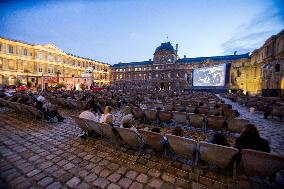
x=115, y=31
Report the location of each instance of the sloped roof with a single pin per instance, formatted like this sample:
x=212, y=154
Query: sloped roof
x=213, y=58
x=132, y=64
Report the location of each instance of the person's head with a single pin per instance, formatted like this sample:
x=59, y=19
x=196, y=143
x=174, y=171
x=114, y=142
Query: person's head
x=107, y=110
x=127, y=121
x=251, y=130
x=201, y=104
x=178, y=131
x=109, y=119
x=220, y=139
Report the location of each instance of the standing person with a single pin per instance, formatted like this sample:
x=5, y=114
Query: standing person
x=250, y=139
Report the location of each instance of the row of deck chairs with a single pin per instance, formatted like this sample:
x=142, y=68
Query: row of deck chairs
x=23, y=109
x=196, y=120
x=253, y=163
x=67, y=103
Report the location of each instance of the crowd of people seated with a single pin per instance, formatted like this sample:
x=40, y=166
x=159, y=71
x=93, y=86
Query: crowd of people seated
x=114, y=100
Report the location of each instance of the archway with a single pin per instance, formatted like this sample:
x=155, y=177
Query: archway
x=11, y=80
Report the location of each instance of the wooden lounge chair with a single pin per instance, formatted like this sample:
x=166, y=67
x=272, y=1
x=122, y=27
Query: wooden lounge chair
x=183, y=147
x=82, y=124
x=153, y=140
x=151, y=115
x=180, y=118
x=130, y=137
x=221, y=156
x=256, y=163
x=237, y=125
x=196, y=120
x=165, y=116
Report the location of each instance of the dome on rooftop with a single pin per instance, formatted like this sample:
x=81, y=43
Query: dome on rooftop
x=165, y=46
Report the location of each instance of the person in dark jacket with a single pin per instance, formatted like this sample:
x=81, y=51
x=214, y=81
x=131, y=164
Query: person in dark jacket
x=250, y=139
x=220, y=139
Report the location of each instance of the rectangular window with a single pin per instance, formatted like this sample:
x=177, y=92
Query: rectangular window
x=11, y=49
x=0, y=46
x=26, y=52
x=277, y=68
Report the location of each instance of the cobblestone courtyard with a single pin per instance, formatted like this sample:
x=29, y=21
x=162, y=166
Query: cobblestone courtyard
x=50, y=155
x=270, y=129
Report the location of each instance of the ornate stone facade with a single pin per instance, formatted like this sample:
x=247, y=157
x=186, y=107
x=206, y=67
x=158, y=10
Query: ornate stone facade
x=167, y=70
x=22, y=60
x=262, y=72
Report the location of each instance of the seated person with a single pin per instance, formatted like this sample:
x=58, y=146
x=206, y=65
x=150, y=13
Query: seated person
x=107, y=112
x=250, y=139
x=96, y=107
x=87, y=114
x=51, y=112
x=220, y=139
x=127, y=122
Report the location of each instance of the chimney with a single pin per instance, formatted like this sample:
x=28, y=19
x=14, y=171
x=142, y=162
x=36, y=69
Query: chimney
x=150, y=59
x=184, y=56
x=235, y=52
x=176, y=48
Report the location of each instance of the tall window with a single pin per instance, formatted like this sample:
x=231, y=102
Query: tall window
x=0, y=46
x=26, y=52
x=11, y=49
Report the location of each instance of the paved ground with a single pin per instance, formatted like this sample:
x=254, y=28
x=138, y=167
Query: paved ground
x=270, y=129
x=45, y=155
x=50, y=155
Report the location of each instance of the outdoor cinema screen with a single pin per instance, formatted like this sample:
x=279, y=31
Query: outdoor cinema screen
x=210, y=76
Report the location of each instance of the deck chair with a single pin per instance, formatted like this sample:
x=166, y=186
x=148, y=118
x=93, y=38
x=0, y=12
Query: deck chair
x=153, y=140
x=165, y=116
x=221, y=156
x=196, y=120
x=151, y=115
x=180, y=118
x=82, y=124
x=216, y=123
x=94, y=126
x=183, y=147
x=256, y=163
x=130, y=137
x=107, y=132
x=237, y=125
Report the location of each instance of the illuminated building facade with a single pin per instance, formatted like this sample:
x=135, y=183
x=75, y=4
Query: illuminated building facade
x=31, y=62
x=167, y=70
x=262, y=72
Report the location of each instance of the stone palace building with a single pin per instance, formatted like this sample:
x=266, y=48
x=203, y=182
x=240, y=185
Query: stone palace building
x=262, y=71
x=24, y=61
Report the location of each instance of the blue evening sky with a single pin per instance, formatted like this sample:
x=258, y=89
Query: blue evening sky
x=129, y=30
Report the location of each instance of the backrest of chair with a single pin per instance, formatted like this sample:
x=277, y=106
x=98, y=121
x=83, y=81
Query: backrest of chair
x=182, y=146
x=151, y=114
x=237, y=125
x=94, y=125
x=129, y=136
x=215, y=154
x=137, y=112
x=230, y=113
x=81, y=123
x=154, y=140
x=107, y=131
x=196, y=120
x=180, y=117
x=216, y=122
x=35, y=112
x=190, y=109
x=256, y=163
x=165, y=116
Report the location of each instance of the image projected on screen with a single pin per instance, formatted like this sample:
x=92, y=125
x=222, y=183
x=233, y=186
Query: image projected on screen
x=209, y=76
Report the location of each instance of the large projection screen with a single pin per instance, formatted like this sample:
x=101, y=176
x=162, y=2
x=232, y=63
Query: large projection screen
x=213, y=76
